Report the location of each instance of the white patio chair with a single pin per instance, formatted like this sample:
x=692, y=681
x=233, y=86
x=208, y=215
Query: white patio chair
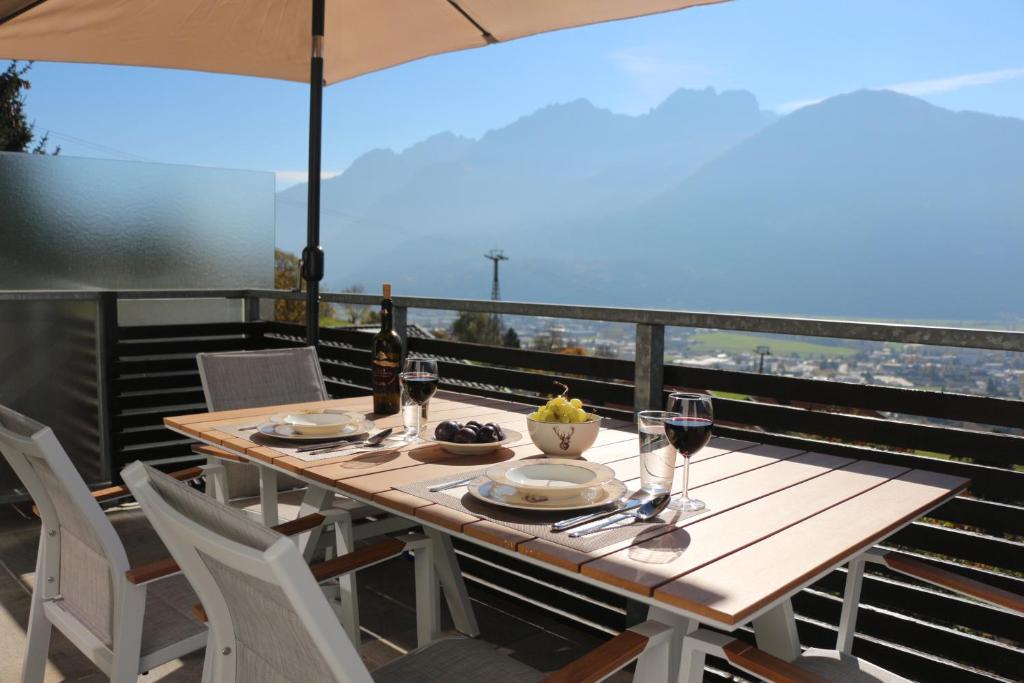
x=269, y=622
x=126, y=622
x=817, y=665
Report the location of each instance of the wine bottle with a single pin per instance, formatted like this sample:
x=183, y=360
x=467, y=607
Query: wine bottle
x=387, y=361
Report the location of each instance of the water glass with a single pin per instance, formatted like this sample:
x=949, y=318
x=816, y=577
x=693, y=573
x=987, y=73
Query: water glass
x=657, y=455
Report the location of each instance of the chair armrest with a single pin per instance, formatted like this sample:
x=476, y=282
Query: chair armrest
x=112, y=492
x=297, y=526
x=199, y=613
x=950, y=580
x=357, y=559
x=152, y=571
x=747, y=657
x=166, y=566
x=612, y=655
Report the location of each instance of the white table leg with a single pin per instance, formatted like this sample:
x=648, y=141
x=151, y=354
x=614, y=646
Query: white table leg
x=680, y=627
x=268, y=495
x=776, y=634
x=316, y=499
x=851, y=601
x=451, y=581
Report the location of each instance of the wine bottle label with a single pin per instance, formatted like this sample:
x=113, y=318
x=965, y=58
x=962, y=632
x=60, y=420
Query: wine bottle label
x=385, y=375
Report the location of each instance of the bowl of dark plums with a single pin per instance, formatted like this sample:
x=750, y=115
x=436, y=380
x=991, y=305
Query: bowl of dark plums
x=472, y=438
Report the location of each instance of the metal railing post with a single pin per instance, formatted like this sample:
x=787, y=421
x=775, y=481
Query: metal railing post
x=251, y=314
x=649, y=371
x=106, y=339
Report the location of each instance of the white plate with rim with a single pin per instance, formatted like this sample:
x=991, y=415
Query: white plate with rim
x=316, y=423
x=281, y=430
x=511, y=436
x=511, y=497
x=555, y=478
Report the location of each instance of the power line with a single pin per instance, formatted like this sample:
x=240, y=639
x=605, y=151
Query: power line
x=97, y=146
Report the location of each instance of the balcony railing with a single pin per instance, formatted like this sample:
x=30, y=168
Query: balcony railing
x=147, y=372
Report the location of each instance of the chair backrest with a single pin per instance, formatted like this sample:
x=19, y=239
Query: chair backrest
x=251, y=379
x=81, y=558
x=268, y=619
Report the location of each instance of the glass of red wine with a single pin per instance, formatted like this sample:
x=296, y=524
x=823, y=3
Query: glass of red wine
x=688, y=433
x=419, y=379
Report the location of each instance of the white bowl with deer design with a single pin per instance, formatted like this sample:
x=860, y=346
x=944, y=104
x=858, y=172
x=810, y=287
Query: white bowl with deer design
x=564, y=440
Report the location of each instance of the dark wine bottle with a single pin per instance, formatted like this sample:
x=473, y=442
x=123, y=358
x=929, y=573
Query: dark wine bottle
x=387, y=361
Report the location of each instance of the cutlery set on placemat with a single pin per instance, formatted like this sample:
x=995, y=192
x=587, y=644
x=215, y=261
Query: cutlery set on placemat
x=557, y=484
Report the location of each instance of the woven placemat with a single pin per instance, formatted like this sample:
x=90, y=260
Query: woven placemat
x=291, y=447
x=538, y=522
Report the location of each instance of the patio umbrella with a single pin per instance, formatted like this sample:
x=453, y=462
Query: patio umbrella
x=316, y=41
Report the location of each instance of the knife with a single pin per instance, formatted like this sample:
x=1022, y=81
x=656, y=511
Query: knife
x=634, y=501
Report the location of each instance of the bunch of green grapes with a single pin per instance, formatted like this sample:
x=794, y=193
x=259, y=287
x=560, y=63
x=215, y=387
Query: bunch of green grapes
x=561, y=409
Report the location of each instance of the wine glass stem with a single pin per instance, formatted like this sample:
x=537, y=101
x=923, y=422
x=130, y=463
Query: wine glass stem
x=686, y=477
x=416, y=422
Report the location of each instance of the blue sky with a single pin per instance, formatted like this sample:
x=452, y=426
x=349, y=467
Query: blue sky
x=960, y=55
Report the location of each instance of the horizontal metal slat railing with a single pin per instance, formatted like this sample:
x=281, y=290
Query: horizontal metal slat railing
x=922, y=633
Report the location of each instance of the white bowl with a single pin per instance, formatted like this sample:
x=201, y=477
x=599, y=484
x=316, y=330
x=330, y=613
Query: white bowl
x=561, y=439
x=318, y=424
x=552, y=478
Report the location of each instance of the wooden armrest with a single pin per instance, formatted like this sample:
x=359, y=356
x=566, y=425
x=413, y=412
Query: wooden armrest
x=768, y=667
x=153, y=570
x=357, y=559
x=204, y=449
x=299, y=525
x=952, y=581
x=111, y=492
x=161, y=568
x=602, y=661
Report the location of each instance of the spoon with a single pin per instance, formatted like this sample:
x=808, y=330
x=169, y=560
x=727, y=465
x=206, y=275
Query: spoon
x=621, y=505
x=646, y=511
x=374, y=440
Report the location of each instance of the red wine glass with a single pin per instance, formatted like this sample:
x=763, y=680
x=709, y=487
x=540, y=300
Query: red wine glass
x=688, y=433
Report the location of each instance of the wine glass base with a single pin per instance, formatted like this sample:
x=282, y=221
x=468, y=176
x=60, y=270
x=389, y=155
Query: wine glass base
x=686, y=504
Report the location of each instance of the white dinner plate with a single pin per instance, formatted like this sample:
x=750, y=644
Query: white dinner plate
x=511, y=436
x=511, y=497
x=280, y=430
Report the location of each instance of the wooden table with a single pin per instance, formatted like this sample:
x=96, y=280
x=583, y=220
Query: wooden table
x=778, y=518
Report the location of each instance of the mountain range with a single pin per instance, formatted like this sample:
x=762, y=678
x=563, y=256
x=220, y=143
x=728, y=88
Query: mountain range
x=868, y=204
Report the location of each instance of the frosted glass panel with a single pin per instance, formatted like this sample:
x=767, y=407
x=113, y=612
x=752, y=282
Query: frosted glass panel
x=48, y=371
x=72, y=223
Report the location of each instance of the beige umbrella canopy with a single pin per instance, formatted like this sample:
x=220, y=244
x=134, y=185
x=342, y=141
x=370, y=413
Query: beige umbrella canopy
x=273, y=39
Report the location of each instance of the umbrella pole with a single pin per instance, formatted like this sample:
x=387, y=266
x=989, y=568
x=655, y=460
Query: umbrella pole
x=313, y=255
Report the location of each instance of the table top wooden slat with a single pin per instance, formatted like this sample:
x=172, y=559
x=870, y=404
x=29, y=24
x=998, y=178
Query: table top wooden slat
x=776, y=517
x=785, y=560
x=721, y=495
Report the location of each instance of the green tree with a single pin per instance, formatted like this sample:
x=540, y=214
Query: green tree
x=16, y=132
x=477, y=328
x=551, y=340
x=510, y=339
x=286, y=276
x=353, y=312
